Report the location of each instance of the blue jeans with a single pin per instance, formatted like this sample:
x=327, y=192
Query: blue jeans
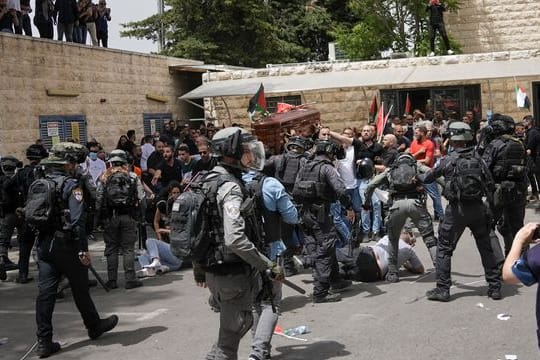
x=367, y=222
x=432, y=190
x=159, y=249
x=341, y=223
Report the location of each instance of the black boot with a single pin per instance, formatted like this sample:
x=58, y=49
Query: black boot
x=3, y=275
x=23, y=278
x=103, y=326
x=47, y=347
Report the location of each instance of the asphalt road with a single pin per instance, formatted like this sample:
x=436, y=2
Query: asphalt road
x=169, y=318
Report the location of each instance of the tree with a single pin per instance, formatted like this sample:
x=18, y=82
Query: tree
x=245, y=32
x=396, y=25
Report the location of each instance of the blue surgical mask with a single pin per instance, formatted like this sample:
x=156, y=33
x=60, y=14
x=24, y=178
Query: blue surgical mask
x=92, y=155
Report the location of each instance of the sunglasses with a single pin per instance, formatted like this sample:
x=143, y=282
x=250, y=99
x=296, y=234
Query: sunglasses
x=203, y=152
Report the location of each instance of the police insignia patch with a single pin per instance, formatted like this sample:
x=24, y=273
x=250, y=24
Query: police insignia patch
x=232, y=211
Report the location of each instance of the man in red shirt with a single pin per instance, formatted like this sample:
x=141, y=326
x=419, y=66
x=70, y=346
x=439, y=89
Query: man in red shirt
x=423, y=150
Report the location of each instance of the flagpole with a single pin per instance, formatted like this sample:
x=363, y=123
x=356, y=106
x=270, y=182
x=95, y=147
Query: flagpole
x=385, y=120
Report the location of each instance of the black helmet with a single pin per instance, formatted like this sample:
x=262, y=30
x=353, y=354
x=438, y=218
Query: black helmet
x=502, y=124
x=296, y=144
x=365, y=169
x=330, y=149
x=9, y=164
x=233, y=141
x=36, y=152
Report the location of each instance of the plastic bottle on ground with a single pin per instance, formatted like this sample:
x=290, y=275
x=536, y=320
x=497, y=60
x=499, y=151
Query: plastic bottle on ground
x=299, y=330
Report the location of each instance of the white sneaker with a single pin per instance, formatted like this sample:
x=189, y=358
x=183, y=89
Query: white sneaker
x=431, y=54
x=146, y=272
x=155, y=264
x=162, y=269
x=450, y=52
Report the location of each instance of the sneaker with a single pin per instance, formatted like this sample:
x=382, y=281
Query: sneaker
x=494, y=294
x=326, y=298
x=162, y=269
x=438, y=294
x=103, y=326
x=111, y=284
x=431, y=54
x=146, y=272
x=450, y=52
x=533, y=197
x=156, y=264
x=132, y=284
x=46, y=348
x=341, y=285
x=392, y=277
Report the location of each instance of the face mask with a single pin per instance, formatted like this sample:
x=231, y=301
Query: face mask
x=92, y=155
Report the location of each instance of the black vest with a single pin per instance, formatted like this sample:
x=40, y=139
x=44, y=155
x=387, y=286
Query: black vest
x=510, y=163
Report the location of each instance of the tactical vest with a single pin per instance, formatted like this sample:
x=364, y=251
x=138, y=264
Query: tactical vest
x=287, y=169
x=271, y=220
x=510, y=163
x=310, y=187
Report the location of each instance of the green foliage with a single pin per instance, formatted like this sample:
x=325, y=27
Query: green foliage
x=396, y=25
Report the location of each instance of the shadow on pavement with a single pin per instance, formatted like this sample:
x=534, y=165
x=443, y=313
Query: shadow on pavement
x=320, y=350
x=124, y=338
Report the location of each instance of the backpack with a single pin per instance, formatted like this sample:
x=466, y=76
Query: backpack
x=287, y=169
x=511, y=162
x=195, y=219
x=401, y=175
x=120, y=190
x=468, y=179
x=44, y=202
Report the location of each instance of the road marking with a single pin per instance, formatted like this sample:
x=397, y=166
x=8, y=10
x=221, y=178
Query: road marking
x=140, y=316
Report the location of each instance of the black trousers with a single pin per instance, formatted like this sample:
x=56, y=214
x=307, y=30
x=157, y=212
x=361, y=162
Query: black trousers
x=46, y=30
x=512, y=217
x=321, y=238
x=57, y=258
x=457, y=217
x=433, y=28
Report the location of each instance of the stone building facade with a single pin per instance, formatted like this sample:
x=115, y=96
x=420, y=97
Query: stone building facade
x=343, y=91
x=494, y=25
x=110, y=90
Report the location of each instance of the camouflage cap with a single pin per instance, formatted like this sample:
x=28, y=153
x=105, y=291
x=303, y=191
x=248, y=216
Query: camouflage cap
x=119, y=156
x=70, y=152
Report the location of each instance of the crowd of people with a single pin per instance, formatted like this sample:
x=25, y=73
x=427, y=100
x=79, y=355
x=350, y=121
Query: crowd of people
x=73, y=19
x=324, y=196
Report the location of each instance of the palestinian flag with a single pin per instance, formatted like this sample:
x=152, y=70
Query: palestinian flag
x=522, y=99
x=373, y=108
x=257, y=103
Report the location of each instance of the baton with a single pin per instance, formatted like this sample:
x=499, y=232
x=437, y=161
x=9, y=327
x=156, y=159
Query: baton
x=287, y=282
x=293, y=286
x=98, y=278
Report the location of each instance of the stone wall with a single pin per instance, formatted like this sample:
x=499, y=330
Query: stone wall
x=495, y=25
x=350, y=106
x=30, y=66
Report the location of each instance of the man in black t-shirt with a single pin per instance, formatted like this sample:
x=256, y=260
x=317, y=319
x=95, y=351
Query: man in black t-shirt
x=167, y=170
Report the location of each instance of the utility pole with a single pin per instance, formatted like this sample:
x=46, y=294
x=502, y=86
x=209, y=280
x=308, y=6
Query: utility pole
x=161, y=10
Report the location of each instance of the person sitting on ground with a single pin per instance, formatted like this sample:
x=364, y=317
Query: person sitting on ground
x=370, y=263
x=157, y=259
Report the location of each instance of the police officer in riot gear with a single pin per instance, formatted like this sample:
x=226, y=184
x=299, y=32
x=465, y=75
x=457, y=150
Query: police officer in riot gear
x=63, y=250
x=234, y=261
x=506, y=158
x=319, y=185
x=119, y=214
x=406, y=201
x=467, y=180
x=10, y=200
x=23, y=180
x=285, y=167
